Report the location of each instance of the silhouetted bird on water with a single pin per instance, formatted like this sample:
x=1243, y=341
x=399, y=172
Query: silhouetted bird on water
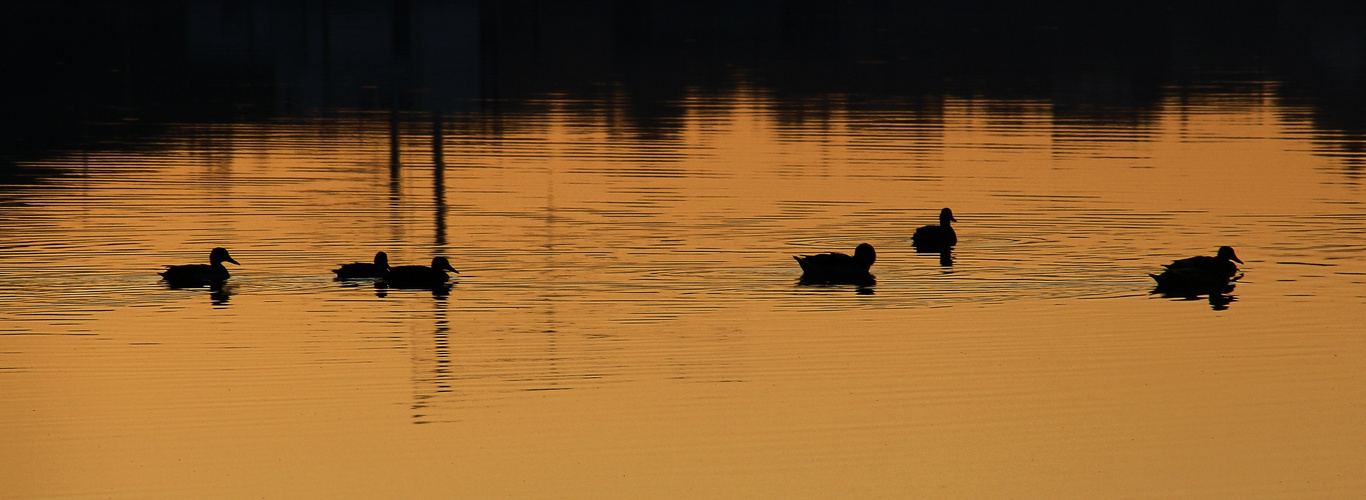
x=838, y=267
x=1189, y=279
x=1221, y=264
x=191, y=275
x=936, y=238
x=420, y=276
x=1199, y=275
x=1189, y=283
x=361, y=270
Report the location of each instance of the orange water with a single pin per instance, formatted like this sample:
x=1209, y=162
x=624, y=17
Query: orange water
x=627, y=322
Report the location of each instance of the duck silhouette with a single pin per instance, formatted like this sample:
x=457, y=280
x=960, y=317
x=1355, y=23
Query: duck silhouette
x=420, y=276
x=364, y=270
x=1190, y=279
x=936, y=238
x=1199, y=275
x=1191, y=283
x=1221, y=264
x=192, y=275
x=838, y=268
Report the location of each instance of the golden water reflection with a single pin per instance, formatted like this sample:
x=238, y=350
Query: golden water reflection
x=627, y=320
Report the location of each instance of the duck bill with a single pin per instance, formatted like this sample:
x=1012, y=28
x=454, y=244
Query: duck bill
x=229, y=259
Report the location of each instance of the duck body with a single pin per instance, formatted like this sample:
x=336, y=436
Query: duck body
x=420, y=276
x=1191, y=280
x=365, y=270
x=1199, y=275
x=1221, y=264
x=936, y=238
x=837, y=267
x=192, y=275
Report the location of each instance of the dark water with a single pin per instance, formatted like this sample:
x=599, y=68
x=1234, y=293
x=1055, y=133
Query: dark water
x=622, y=187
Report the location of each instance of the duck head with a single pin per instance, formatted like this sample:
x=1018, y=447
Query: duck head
x=864, y=254
x=220, y=255
x=382, y=259
x=440, y=263
x=946, y=216
x=1227, y=253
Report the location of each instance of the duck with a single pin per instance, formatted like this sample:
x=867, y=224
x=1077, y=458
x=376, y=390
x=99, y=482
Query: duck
x=936, y=238
x=363, y=270
x=200, y=274
x=420, y=276
x=1221, y=264
x=1191, y=281
x=837, y=267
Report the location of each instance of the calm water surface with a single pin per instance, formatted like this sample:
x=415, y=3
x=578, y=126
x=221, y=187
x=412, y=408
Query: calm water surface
x=627, y=320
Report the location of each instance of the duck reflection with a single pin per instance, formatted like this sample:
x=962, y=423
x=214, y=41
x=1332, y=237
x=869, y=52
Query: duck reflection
x=439, y=290
x=1191, y=284
x=381, y=288
x=1198, y=276
x=220, y=293
x=945, y=255
x=1219, y=299
x=865, y=280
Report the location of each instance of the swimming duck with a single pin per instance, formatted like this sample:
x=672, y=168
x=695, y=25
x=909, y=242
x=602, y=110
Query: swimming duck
x=420, y=276
x=836, y=267
x=936, y=238
x=361, y=270
x=1221, y=264
x=1191, y=281
x=200, y=274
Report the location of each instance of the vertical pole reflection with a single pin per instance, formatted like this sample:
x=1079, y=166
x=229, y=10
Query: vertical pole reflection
x=439, y=178
x=401, y=31
x=551, y=329
x=428, y=387
x=395, y=162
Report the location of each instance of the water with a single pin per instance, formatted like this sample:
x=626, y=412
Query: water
x=627, y=320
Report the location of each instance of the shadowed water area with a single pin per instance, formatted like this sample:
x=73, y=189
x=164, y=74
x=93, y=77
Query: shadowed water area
x=622, y=188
